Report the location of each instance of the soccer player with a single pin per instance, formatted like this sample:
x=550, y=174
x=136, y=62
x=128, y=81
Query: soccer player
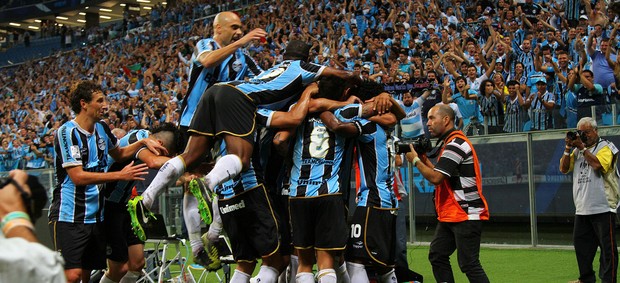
x=372, y=235
x=125, y=249
x=217, y=59
x=76, y=215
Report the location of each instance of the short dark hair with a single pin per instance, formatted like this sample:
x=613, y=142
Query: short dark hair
x=82, y=90
x=512, y=83
x=367, y=90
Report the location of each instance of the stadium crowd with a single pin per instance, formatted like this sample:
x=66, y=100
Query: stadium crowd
x=398, y=43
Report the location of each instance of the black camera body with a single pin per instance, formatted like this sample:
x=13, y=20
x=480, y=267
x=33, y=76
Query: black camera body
x=421, y=145
x=573, y=135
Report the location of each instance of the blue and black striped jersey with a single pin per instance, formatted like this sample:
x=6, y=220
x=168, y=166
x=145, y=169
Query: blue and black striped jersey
x=375, y=151
x=317, y=156
x=235, y=67
x=275, y=87
x=77, y=147
x=120, y=191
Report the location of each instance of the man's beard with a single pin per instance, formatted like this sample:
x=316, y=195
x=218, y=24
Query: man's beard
x=408, y=103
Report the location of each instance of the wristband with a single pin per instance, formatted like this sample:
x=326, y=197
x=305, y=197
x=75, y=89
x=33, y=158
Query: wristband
x=10, y=225
x=567, y=153
x=415, y=160
x=13, y=216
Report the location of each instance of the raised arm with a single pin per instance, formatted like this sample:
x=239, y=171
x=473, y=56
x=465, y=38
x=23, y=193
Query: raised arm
x=215, y=57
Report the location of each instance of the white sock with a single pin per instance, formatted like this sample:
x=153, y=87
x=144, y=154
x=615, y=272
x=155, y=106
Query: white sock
x=389, y=277
x=343, y=275
x=130, y=277
x=304, y=277
x=357, y=272
x=240, y=277
x=293, y=265
x=167, y=175
x=228, y=167
x=267, y=274
x=192, y=222
x=215, y=229
x=105, y=279
x=327, y=276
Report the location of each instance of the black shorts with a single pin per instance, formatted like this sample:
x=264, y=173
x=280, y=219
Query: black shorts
x=81, y=245
x=372, y=236
x=280, y=206
x=223, y=109
x=251, y=224
x=319, y=222
x=118, y=232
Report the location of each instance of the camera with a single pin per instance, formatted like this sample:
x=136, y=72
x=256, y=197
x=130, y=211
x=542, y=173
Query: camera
x=33, y=201
x=573, y=135
x=421, y=145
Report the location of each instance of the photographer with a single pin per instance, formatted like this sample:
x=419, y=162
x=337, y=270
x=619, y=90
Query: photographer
x=595, y=193
x=39, y=264
x=456, y=174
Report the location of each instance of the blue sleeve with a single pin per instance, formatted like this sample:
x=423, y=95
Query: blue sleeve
x=142, y=134
x=69, y=149
x=310, y=72
x=263, y=116
x=204, y=45
x=367, y=130
x=349, y=113
x=598, y=88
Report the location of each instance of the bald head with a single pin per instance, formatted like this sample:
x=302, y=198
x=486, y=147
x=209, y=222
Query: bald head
x=226, y=28
x=224, y=17
x=440, y=120
x=443, y=111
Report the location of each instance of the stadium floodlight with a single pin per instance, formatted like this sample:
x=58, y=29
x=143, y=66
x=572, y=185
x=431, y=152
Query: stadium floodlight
x=105, y=17
x=143, y=1
x=62, y=18
x=146, y=8
x=82, y=14
x=15, y=24
x=33, y=27
x=37, y=21
x=105, y=10
x=123, y=5
x=164, y=3
x=81, y=21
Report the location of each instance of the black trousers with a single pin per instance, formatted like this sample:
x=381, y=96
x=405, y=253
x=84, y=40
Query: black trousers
x=590, y=233
x=464, y=237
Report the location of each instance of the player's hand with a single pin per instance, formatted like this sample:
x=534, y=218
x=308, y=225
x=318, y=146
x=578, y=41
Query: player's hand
x=133, y=172
x=382, y=103
x=255, y=34
x=155, y=146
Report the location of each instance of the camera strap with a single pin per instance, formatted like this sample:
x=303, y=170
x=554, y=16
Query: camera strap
x=440, y=142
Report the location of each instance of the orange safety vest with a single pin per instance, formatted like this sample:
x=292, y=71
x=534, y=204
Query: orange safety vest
x=448, y=209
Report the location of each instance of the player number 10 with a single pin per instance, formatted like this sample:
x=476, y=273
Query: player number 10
x=356, y=230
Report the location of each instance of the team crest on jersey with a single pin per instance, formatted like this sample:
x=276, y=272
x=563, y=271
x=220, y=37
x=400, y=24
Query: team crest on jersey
x=237, y=65
x=75, y=152
x=101, y=144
